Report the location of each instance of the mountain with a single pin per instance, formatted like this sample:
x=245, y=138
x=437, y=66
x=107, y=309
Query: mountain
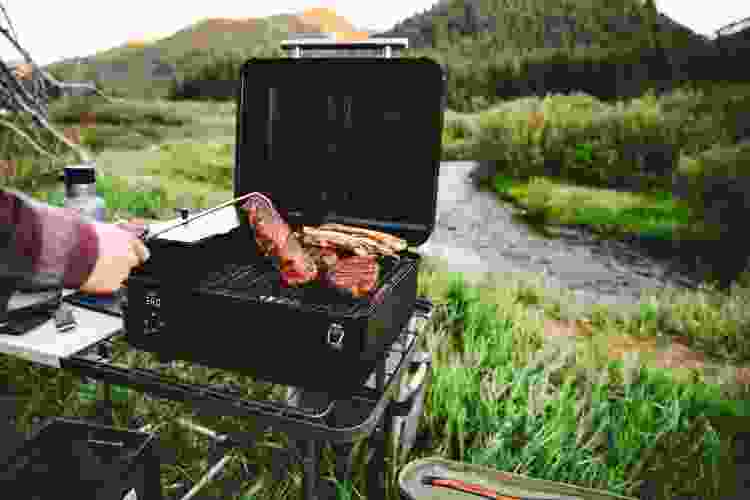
x=143, y=69
x=535, y=23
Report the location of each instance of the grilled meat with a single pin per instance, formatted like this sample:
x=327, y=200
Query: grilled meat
x=274, y=238
x=325, y=258
x=392, y=242
x=356, y=274
x=333, y=240
x=356, y=244
x=340, y=256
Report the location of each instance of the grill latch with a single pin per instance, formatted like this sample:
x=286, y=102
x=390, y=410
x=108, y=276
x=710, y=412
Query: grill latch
x=336, y=336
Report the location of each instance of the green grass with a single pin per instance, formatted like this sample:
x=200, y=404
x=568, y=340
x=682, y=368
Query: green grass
x=499, y=400
x=653, y=214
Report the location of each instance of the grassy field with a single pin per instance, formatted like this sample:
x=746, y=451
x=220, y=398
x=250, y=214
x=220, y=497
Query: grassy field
x=501, y=395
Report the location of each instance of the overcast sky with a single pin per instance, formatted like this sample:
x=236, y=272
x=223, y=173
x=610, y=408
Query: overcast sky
x=53, y=30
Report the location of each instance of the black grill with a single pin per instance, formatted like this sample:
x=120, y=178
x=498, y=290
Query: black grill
x=217, y=302
x=238, y=316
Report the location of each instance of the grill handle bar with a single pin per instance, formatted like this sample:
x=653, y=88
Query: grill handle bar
x=148, y=236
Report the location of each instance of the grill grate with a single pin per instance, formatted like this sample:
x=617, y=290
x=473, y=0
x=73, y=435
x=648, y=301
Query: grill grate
x=262, y=282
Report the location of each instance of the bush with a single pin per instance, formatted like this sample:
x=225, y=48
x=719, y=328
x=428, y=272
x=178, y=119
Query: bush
x=580, y=139
x=633, y=145
x=116, y=113
x=211, y=163
x=717, y=190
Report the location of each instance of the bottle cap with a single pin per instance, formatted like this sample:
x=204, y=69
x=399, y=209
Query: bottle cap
x=80, y=174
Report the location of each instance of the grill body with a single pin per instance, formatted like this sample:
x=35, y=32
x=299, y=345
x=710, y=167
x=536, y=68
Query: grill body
x=234, y=315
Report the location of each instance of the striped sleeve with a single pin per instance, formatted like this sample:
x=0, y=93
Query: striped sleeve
x=44, y=245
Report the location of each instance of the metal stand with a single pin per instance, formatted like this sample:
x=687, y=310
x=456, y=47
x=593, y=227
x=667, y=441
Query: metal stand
x=368, y=414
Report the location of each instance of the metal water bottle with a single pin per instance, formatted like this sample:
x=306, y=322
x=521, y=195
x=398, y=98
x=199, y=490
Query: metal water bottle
x=80, y=192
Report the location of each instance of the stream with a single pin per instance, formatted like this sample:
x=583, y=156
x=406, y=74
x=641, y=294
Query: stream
x=478, y=233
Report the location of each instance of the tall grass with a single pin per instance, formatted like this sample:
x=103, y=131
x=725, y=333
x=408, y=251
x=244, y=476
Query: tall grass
x=498, y=399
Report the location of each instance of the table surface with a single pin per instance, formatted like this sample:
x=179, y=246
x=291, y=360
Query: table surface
x=47, y=346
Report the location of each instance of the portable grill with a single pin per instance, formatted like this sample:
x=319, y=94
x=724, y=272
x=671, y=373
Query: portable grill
x=312, y=137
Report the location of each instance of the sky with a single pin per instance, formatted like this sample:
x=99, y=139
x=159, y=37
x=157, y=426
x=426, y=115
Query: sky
x=51, y=31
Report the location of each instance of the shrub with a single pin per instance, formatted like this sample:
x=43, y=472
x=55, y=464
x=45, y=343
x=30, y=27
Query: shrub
x=211, y=163
x=116, y=113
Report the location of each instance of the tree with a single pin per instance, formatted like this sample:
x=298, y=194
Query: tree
x=25, y=91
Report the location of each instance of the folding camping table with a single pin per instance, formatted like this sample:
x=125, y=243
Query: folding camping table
x=370, y=414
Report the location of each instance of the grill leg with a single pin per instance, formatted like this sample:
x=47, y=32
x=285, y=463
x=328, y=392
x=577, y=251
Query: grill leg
x=103, y=408
x=310, y=469
x=376, y=478
x=344, y=461
x=376, y=467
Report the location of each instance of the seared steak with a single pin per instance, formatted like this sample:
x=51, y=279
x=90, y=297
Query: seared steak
x=274, y=238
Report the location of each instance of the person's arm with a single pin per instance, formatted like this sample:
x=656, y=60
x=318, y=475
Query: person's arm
x=42, y=245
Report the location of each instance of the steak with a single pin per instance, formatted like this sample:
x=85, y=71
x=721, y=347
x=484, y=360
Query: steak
x=319, y=254
x=275, y=238
x=357, y=274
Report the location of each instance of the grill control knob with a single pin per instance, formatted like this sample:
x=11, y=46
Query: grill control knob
x=336, y=336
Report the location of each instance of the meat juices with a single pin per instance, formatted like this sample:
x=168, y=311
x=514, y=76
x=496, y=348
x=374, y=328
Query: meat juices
x=274, y=237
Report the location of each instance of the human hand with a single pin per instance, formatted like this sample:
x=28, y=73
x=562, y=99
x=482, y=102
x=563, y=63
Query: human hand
x=119, y=252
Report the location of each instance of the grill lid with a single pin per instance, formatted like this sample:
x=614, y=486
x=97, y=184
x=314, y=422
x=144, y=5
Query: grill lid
x=351, y=140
